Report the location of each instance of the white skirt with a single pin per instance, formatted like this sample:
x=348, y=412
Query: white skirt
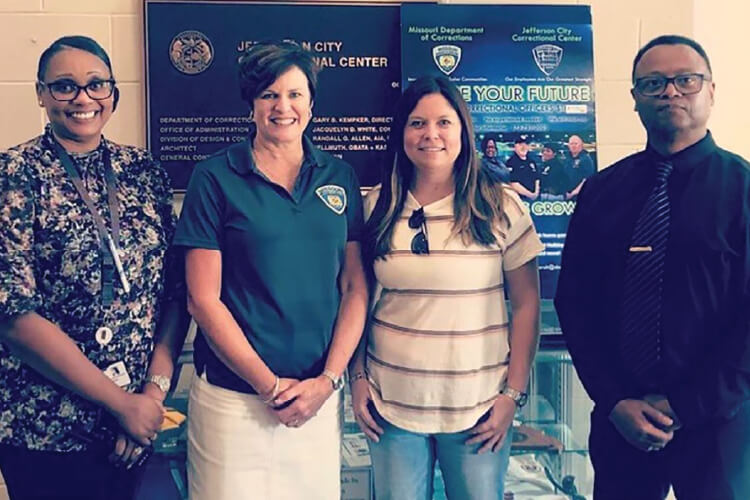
x=238, y=450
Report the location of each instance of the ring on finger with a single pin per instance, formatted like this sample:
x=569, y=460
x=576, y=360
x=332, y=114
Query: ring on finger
x=137, y=451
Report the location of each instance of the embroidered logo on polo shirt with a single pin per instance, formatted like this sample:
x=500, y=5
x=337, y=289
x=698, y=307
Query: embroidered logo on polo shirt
x=333, y=196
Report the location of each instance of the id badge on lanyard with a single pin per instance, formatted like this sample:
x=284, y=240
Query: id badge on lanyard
x=109, y=242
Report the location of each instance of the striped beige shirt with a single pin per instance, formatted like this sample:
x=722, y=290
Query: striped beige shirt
x=438, y=348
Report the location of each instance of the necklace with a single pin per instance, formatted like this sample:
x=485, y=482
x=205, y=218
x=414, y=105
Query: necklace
x=284, y=177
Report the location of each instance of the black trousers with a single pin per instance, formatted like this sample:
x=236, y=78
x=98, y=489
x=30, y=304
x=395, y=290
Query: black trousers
x=710, y=462
x=47, y=475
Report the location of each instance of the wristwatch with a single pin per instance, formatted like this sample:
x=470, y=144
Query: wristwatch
x=518, y=397
x=160, y=381
x=336, y=380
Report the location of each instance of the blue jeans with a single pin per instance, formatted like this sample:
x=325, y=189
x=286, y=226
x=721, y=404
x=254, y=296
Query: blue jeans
x=403, y=465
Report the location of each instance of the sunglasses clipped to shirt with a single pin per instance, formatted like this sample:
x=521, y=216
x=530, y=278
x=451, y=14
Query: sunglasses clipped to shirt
x=417, y=220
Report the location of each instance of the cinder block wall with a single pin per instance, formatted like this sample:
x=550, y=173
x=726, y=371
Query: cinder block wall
x=28, y=26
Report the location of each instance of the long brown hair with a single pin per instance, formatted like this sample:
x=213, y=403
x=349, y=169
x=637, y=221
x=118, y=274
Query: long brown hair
x=478, y=198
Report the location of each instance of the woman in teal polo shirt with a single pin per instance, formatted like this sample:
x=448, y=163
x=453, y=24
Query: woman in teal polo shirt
x=275, y=280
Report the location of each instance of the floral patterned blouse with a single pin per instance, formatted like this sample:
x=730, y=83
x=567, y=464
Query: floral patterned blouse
x=50, y=263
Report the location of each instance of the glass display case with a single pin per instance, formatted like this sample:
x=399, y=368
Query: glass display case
x=558, y=407
x=549, y=458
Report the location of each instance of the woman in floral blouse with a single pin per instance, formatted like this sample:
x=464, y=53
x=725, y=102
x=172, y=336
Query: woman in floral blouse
x=90, y=319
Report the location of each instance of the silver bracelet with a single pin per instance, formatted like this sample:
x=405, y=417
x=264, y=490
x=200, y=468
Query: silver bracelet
x=274, y=392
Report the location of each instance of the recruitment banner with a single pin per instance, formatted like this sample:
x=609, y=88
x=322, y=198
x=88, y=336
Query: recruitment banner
x=193, y=99
x=527, y=74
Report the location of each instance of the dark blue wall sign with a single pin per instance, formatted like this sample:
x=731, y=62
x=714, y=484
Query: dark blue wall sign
x=524, y=71
x=193, y=100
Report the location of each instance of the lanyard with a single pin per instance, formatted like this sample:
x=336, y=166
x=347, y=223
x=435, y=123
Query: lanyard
x=109, y=243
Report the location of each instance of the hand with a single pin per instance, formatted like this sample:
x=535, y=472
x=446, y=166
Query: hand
x=284, y=384
x=360, y=401
x=533, y=195
x=642, y=425
x=305, y=399
x=493, y=431
x=660, y=402
x=140, y=416
x=153, y=392
x=126, y=452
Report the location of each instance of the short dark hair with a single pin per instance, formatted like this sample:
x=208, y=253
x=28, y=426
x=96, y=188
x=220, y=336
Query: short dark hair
x=671, y=40
x=71, y=42
x=264, y=62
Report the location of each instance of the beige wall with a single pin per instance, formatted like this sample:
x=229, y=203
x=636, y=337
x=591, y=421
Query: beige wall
x=721, y=26
x=620, y=27
x=27, y=27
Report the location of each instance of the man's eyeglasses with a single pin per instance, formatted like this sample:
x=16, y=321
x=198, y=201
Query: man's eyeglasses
x=419, y=244
x=686, y=83
x=67, y=90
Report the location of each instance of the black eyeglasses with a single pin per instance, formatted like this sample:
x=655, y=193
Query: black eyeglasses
x=67, y=90
x=686, y=83
x=419, y=244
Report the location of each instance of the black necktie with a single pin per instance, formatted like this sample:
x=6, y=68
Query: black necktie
x=640, y=334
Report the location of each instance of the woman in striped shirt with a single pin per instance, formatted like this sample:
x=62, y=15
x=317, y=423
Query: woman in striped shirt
x=442, y=370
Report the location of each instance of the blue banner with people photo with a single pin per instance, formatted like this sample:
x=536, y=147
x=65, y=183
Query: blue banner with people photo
x=527, y=75
x=193, y=98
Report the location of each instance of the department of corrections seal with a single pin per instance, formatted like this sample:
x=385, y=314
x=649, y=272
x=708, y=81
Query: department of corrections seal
x=191, y=52
x=547, y=57
x=446, y=57
x=333, y=196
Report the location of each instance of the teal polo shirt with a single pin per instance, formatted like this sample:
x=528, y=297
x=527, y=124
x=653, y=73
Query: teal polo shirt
x=281, y=255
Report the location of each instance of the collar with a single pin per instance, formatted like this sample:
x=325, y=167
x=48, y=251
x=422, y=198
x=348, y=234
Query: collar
x=581, y=154
x=438, y=207
x=688, y=158
x=241, y=161
x=48, y=140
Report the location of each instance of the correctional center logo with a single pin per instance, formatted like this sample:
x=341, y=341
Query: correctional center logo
x=191, y=52
x=547, y=57
x=446, y=57
x=333, y=196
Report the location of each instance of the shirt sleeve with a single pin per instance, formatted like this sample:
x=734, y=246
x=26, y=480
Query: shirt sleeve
x=173, y=267
x=370, y=200
x=589, y=168
x=721, y=384
x=354, y=215
x=515, y=175
x=18, y=288
x=200, y=224
x=576, y=308
x=522, y=243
